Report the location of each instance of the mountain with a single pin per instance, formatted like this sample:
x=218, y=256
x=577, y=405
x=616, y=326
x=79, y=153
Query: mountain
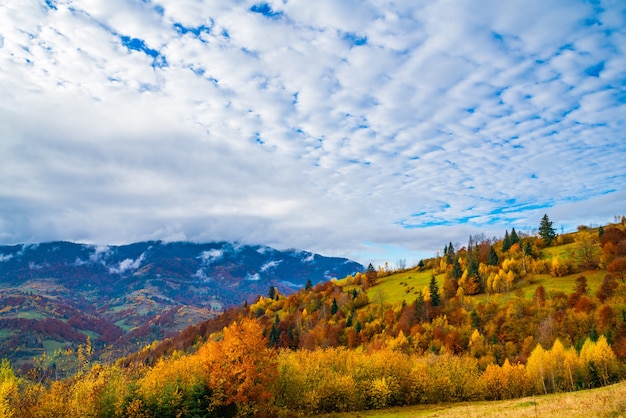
x=53, y=295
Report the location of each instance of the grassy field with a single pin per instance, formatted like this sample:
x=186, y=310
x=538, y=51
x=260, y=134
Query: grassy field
x=606, y=402
x=405, y=286
x=402, y=286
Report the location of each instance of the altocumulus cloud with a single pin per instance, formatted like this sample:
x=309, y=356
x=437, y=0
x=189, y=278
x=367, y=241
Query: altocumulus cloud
x=369, y=129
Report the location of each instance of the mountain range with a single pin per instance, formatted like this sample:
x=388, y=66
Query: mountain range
x=54, y=295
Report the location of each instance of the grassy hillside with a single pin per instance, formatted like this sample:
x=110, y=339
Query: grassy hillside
x=607, y=402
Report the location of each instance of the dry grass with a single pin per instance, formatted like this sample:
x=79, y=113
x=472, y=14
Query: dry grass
x=606, y=402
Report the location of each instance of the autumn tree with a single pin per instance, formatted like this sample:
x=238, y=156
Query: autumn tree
x=546, y=232
x=8, y=389
x=240, y=369
x=370, y=276
x=607, y=287
x=617, y=267
x=587, y=249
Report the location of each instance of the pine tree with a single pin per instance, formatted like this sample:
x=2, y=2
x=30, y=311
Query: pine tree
x=433, y=288
x=457, y=271
x=506, y=242
x=334, y=308
x=450, y=255
x=492, y=258
x=546, y=232
x=514, y=238
x=419, y=305
x=308, y=284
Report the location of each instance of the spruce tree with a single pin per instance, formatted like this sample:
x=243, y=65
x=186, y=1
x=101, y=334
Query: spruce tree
x=433, y=288
x=506, y=242
x=546, y=232
x=492, y=258
x=514, y=238
x=457, y=271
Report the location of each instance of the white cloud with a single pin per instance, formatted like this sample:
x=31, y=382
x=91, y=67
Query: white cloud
x=127, y=264
x=270, y=264
x=209, y=256
x=325, y=128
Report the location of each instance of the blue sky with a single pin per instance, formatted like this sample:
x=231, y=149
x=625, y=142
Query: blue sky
x=372, y=130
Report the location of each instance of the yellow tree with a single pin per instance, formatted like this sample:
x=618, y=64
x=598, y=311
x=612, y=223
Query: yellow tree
x=8, y=389
x=536, y=368
x=241, y=369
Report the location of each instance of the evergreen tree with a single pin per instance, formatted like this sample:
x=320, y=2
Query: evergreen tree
x=358, y=327
x=308, y=284
x=492, y=258
x=420, y=265
x=514, y=238
x=272, y=292
x=420, y=304
x=474, y=318
x=450, y=254
x=435, y=299
x=546, y=232
x=506, y=242
x=274, y=333
x=334, y=308
x=457, y=271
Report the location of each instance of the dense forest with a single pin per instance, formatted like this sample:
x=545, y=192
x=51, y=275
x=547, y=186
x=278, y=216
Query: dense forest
x=494, y=319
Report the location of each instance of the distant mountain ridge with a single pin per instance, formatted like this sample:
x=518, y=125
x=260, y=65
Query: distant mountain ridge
x=140, y=291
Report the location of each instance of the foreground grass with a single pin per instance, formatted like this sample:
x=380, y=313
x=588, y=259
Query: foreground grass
x=606, y=402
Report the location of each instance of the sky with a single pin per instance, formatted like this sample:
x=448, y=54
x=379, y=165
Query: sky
x=373, y=130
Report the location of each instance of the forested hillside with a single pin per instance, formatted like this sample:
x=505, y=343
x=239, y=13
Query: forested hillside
x=494, y=319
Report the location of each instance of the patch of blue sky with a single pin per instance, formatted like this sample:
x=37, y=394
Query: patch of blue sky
x=265, y=10
x=199, y=71
x=52, y=4
x=197, y=31
x=159, y=9
x=520, y=207
x=354, y=39
x=595, y=70
x=136, y=44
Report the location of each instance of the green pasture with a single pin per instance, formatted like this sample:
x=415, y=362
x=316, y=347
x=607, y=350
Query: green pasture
x=51, y=345
x=402, y=286
x=405, y=285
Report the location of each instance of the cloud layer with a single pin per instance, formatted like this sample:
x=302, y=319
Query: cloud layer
x=367, y=129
